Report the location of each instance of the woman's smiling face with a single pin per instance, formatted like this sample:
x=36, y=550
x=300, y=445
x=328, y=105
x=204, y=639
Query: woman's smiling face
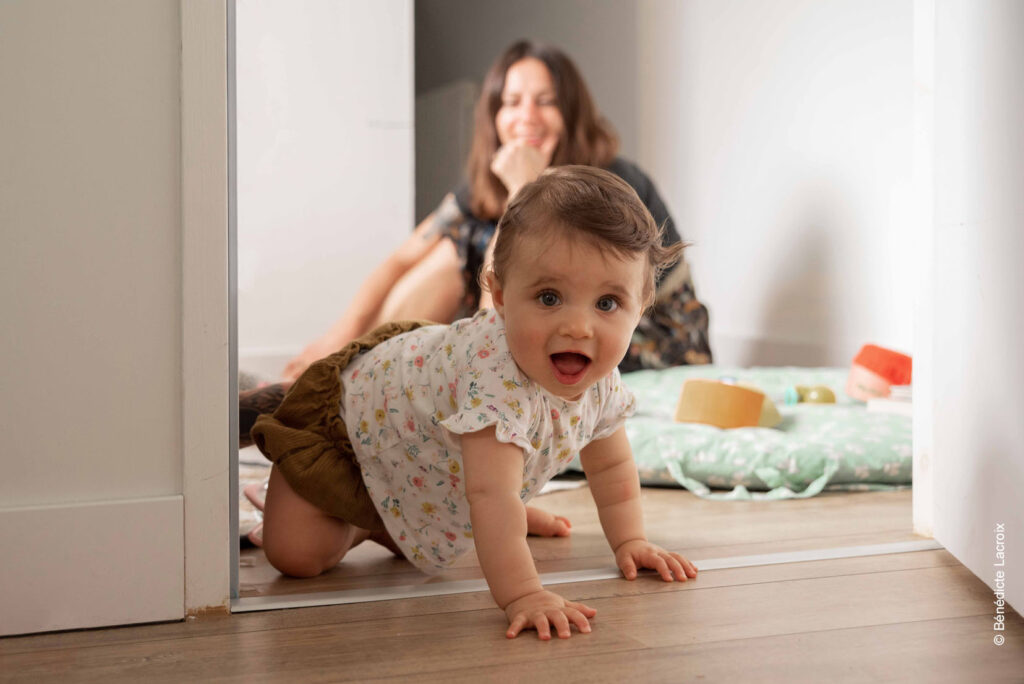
x=529, y=107
x=570, y=309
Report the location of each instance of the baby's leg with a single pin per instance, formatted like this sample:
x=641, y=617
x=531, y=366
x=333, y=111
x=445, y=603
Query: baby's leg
x=300, y=539
x=544, y=524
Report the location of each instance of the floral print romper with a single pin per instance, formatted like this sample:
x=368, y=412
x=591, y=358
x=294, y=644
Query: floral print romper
x=407, y=400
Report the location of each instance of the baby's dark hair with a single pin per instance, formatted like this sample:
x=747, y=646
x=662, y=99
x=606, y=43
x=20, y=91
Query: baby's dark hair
x=590, y=203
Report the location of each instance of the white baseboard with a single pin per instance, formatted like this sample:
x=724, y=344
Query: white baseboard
x=91, y=565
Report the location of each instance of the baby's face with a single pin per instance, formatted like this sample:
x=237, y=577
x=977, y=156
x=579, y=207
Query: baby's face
x=569, y=311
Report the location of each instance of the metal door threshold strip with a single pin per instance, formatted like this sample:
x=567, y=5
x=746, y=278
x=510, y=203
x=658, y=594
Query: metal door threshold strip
x=330, y=598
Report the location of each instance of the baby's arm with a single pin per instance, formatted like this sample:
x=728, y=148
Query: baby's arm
x=494, y=476
x=612, y=475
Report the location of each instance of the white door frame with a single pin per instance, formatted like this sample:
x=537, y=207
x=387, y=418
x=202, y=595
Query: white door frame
x=210, y=297
x=209, y=401
x=923, y=211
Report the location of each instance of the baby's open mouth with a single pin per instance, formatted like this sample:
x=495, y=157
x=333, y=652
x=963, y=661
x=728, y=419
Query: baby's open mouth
x=569, y=366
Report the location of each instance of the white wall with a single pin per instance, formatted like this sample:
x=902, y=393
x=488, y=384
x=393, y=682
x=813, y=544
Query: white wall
x=325, y=167
x=781, y=134
x=977, y=305
x=90, y=299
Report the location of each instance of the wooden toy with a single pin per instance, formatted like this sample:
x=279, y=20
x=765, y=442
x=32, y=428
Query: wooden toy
x=716, y=403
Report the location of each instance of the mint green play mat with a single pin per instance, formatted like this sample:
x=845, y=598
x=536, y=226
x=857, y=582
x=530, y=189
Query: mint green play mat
x=817, y=447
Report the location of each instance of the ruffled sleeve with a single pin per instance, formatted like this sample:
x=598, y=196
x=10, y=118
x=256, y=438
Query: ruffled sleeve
x=500, y=396
x=617, y=403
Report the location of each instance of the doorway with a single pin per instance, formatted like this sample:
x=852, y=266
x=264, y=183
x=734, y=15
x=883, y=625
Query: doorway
x=628, y=81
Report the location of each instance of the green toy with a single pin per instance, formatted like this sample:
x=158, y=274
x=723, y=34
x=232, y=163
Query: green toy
x=817, y=394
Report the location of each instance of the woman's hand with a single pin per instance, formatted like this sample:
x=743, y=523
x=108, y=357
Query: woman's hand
x=639, y=553
x=544, y=609
x=519, y=163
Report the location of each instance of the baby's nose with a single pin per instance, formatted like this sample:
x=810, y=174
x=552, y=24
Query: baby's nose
x=576, y=324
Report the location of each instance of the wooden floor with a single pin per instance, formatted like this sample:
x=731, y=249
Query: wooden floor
x=912, y=617
x=674, y=518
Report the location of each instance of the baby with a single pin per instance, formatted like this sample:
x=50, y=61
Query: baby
x=431, y=439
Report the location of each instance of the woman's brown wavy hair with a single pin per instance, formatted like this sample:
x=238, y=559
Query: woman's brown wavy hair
x=587, y=137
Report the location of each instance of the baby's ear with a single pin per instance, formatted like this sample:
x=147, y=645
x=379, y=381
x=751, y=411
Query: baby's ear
x=497, y=293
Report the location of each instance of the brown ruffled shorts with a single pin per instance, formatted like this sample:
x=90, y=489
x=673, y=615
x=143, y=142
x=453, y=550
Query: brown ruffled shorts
x=307, y=441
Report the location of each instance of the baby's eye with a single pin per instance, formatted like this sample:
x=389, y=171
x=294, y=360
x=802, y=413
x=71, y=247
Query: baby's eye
x=548, y=299
x=607, y=304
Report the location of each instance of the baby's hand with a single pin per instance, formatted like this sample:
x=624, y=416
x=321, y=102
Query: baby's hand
x=638, y=553
x=541, y=610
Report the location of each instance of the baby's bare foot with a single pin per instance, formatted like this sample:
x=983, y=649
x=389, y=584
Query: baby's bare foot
x=543, y=524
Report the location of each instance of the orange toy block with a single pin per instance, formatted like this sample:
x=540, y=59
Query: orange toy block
x=875, y=370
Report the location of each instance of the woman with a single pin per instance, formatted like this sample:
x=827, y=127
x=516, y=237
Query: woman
x=534, y=111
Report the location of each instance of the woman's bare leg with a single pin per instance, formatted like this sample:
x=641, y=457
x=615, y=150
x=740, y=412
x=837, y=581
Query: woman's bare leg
x=299, y=539
x=432, y=289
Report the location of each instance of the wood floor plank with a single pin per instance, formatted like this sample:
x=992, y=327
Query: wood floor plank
x=812, y=604
x=683, y=519
x=675, y=518
x=945, y=651
x=339, y=652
